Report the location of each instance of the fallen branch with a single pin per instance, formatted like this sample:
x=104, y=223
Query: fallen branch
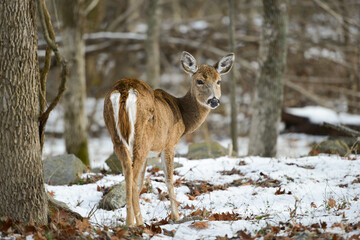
x=185, y=219
x=343, y=129
x=49, y=35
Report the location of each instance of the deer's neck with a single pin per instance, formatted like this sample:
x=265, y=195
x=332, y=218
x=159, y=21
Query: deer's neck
x=192, y=112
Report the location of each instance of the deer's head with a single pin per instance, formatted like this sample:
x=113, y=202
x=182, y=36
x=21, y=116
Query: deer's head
x=206, y=80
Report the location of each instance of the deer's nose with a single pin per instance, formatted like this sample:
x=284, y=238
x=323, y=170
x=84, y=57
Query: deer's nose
x=214, y=102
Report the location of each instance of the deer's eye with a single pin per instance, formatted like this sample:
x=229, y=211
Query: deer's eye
x=200, y=82
x=218, y=82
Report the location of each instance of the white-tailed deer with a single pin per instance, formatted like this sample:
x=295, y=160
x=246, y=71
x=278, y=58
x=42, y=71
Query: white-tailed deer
x=141, y=120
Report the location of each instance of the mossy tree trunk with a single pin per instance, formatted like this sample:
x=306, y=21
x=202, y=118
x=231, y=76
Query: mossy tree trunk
x=152, y=44
x=74, y=99
x=270, y=84
x=22, y=192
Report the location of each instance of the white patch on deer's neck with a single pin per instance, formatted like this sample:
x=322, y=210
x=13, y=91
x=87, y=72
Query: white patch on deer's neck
x=131, y=109
x=204, y=104
x=115, y=100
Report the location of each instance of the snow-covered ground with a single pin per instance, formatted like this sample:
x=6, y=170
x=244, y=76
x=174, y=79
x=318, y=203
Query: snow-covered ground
x=292, y=188
x=314, y=190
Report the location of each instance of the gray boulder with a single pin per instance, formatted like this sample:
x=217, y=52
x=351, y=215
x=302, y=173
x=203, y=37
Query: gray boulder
x=62, y=169
x=156, y=163
x=206, y=150
x=114, y=199
x=114, y=163
x=333, y=147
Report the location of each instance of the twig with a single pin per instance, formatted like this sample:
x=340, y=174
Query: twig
x=336, y=15
x=185, y=219
x=122, y=17
x=49, y=35
x=342, y=128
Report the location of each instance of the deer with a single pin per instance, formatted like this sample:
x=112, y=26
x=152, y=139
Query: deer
x=141, y=120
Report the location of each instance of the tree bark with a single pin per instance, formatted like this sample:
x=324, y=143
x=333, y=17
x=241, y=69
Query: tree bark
x=22, y=192
x=270, y=84
x=152, y=44
x=233, y=78
x=74, y=99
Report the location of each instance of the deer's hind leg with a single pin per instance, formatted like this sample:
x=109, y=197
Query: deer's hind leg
x=124, y=155
x=139, y=160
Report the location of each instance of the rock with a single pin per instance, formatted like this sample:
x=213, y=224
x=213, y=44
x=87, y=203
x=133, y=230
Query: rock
x=156, y=163
x=333, y=147
x=114, y=163
x=206, y=150
x=62, y=169
x=114, y=199
x=352, y=142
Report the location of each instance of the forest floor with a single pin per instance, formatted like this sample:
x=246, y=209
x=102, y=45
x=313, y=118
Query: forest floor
x=226, y=198
x=294, y=195
x=250, y=197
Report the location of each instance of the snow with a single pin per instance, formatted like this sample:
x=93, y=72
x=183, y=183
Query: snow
x=317, y=114
x=311, y=180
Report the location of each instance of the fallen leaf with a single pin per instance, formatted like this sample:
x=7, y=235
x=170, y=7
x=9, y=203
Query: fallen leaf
x=243, y=235
x=331, y=202
x=83, y=225
x=222, y=238
x=146, y=199
x=200, y=225
x=169, y=233
x=200, y=212
x=323, y=225
x=190, y=197
x=224, y=217
x=153, y=170
x=355, y=237
x=279, y=191
x=189, y=207
x=51, y=193
x=312, y=204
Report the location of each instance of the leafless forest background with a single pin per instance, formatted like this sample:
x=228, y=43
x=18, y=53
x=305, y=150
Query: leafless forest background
x=322, y=60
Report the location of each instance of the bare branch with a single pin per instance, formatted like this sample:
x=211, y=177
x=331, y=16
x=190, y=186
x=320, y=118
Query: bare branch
x=309, y=95
x=123, y=16
x=336, y=15
x=49, y=34
x=91, y=6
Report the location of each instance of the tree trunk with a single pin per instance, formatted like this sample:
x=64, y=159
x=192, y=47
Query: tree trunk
x=152, y=44
x=22, y=192
x=75, y=95
x=350, y=54
x=270, y=84
x=233, y=77
x=250, y=16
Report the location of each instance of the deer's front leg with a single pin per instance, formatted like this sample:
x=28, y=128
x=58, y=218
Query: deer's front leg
x=167, y=158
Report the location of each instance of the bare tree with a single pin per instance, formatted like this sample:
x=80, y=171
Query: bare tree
x=270, y=84
x=22, y=192
x=74, y=100
x=233, y=77
x=152, y=44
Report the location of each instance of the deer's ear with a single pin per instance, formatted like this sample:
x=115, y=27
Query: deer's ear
x=225, y=64
x=188, y=63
